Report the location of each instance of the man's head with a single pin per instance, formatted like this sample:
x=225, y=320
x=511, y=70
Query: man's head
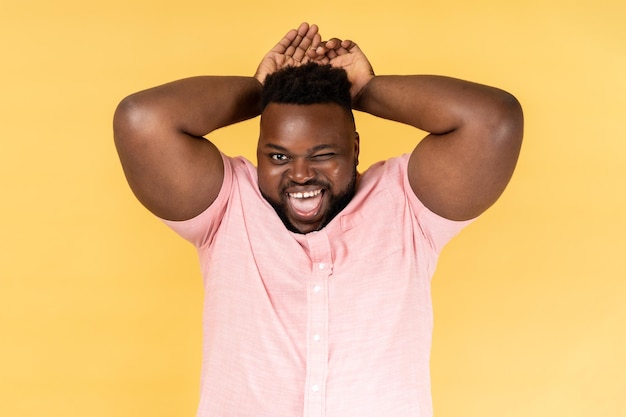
x=308, y=145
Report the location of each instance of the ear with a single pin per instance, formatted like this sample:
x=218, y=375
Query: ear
x=357, y=148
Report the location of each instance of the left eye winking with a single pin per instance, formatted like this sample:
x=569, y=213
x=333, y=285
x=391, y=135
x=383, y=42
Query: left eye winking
x=323, y=156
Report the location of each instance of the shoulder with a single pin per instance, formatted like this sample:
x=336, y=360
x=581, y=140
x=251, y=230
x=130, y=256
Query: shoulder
x=386, y=185
x=390, y=174
x=240, y=181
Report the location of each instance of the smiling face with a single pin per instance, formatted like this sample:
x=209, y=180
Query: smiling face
x=307, y=157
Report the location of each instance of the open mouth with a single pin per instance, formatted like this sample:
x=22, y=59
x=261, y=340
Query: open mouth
x=306, y=204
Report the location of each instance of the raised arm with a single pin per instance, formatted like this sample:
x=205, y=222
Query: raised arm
x=462, y=167
x=170, y=167
x=159, y=133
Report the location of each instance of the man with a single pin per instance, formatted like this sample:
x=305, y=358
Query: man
x=317, y=278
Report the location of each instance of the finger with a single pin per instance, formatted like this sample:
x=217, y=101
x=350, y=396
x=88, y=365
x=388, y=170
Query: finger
x=321, y=49
x=292, y=38
x=316, y=48
x=348, y=46
x=295, y=42
x=317, y=39
x=285, y=42
x=322, y=60
x=328, y=48
x=343, y=48
x=305, y=42
x=290, y=51
x=303, y=28
x=333, y=43
x=303, y=31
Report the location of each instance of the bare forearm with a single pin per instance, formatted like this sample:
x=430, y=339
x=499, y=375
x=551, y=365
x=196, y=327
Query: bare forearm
x=434, y=104
x=198, y=105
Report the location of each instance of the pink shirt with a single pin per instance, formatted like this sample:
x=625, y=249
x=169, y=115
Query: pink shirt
x=334, y=323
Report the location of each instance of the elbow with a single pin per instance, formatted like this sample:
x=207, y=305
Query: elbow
x=128, y=115
x=509, y=119
x=125, y=114
x=133, y=119
x=503, y=122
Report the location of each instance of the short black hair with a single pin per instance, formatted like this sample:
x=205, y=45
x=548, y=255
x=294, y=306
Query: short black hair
x=309, y=83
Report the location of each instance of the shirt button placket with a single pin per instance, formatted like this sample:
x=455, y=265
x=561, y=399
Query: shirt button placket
x=317, y=341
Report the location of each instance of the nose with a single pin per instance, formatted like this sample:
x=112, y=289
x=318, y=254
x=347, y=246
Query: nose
x=301, y=171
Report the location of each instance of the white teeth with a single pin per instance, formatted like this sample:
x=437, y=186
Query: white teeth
x=307, y=194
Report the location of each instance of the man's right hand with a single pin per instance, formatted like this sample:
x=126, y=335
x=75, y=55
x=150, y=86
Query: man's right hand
x=290, y=51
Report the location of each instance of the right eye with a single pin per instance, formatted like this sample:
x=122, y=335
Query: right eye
x=279, y=157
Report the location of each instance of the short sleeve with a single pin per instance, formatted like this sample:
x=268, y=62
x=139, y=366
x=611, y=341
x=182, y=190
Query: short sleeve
x=200, y=229
x=436, y=229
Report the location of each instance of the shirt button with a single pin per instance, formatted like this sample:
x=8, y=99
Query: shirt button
x=317, y=289
x=322, y=266
x=316, y=337
x=315, y=388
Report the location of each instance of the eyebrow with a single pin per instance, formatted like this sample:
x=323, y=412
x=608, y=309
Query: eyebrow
x=314, y=149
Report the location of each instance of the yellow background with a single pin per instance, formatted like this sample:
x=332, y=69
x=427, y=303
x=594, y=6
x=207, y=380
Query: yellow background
x=100, y=303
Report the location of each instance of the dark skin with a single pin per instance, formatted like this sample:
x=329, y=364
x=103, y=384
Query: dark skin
x=458, y=171
x=307, y=153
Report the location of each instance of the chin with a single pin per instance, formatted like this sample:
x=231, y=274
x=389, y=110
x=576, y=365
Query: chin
x=335, y=205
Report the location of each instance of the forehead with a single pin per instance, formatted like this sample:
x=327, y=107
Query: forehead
x=292, y=123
